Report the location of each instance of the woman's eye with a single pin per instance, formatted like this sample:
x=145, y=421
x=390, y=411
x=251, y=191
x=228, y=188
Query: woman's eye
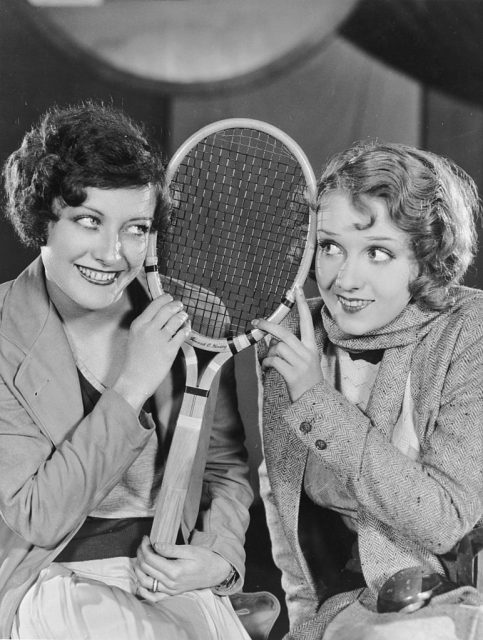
x=329, y=248
x=138, y=229
x=376, y=254
x=89, y=222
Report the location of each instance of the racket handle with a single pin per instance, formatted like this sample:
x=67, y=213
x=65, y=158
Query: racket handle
x=177, y=474
x=184, y=445
x=167, y=520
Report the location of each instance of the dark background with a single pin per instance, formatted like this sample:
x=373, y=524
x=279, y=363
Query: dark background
x=353, y=85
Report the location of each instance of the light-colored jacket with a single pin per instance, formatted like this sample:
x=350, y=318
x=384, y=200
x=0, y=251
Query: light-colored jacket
x=409, y=512
x=57, y=465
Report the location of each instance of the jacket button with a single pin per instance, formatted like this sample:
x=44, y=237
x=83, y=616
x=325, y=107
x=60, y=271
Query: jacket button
x=321, y=444
x=305, y=427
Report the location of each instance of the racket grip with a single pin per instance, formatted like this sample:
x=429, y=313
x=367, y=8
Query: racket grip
x=167, y=520
x=177, y=476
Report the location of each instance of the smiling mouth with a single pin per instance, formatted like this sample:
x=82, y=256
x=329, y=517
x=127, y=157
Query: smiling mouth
x=95, y=276
x=353, y=305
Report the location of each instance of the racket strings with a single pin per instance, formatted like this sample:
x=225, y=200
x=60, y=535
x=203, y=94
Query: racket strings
x=238, y=232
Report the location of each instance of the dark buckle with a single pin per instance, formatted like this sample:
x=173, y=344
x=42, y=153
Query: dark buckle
x=410, y=589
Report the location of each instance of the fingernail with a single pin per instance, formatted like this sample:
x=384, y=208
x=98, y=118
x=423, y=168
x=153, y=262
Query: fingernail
x=255, y=322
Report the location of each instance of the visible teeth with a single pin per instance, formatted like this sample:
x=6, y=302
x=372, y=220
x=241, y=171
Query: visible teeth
x=354, y=304
x=98, y=276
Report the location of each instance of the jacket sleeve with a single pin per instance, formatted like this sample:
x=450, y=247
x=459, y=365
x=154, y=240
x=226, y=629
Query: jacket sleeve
x=226, y=493
x=436, y=499
x=47, y=491
x=300, y=596
x=301, y=599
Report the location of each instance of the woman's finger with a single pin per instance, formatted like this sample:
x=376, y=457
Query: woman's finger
x=279, y=364
x=150, y=578
x=282, y=350
x=175, y=551
x=277, y=331
x=152, y=563
x=165, y=313
x=147, y=594
x=174, y=323
x=155, y=306
x=307, y=332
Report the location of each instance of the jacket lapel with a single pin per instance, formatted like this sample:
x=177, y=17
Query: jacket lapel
x=46, y=375
x=383, y=551
x=387, y=396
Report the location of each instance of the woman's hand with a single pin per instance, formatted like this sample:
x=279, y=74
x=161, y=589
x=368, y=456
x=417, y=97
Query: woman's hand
x=155, y=338
x=297, y=361
x=178, y=569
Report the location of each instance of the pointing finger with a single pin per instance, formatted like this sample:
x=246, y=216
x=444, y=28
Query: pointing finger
x=276, y=330
x=307, y=333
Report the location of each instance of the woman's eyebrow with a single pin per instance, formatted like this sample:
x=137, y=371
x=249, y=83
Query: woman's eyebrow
x=93, y=209
x=382, y=239
x=327, y=232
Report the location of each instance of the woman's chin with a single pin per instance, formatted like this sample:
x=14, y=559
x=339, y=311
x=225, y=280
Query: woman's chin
x=354, y=324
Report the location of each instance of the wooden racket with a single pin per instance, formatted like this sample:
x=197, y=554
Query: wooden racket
x=242, y=237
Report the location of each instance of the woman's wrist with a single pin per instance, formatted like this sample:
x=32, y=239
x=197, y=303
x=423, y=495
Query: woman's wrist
x=229, y=581
x=127, y=391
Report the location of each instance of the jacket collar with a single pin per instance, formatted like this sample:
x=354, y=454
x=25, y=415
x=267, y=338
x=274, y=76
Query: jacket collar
x=26, y=307
x=45, y=372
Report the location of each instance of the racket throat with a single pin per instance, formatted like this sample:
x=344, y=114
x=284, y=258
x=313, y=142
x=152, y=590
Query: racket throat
x=196, y=391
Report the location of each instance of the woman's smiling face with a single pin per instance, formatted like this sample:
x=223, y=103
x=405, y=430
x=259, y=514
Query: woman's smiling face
x=363, y=268
x=95, y=250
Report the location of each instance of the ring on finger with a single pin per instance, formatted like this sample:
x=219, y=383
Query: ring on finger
x=154, y=587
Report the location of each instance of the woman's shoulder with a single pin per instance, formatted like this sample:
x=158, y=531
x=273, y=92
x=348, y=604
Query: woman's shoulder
x=24, y=305
x=462, y=321
x=4, y=289
x=466, y=302
x=466, y=295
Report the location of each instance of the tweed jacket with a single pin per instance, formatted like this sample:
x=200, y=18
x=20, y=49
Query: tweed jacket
x=57, y=465
x=410, y=512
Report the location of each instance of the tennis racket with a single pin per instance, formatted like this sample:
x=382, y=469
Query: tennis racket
x=241, y=238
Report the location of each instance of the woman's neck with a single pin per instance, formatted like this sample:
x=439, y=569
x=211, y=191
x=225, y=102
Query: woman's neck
x=85, y=321
x=98, y=337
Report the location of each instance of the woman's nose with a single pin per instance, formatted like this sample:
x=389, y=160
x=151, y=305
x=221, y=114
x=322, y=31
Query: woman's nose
x=108, y=248
x=349, y=276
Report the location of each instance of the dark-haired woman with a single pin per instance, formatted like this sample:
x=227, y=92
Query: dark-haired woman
x=91, y=385
x=373, y=399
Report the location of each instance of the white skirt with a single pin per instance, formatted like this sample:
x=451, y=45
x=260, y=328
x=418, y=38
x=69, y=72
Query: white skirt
x=96, y=600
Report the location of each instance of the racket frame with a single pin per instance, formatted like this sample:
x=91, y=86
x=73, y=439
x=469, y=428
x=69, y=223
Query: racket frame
x=244, y=340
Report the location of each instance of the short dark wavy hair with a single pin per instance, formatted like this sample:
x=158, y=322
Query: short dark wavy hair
x=428, y=197
x=72, y=148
